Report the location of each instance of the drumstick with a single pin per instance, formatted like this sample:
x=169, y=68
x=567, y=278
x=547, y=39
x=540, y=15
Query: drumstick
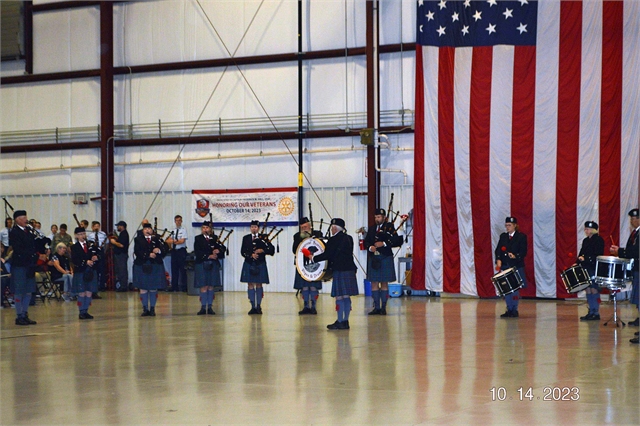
x=612, y=242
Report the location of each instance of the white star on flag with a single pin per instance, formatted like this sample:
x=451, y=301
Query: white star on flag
x=523, y=2
x=442, y=4
x=441, y=30
x=467, y=3
x=492, y=2
x=477, y=15
x=455, y=17
x=522, y=28
x=508, y=13
x=465, y=29
x=491, y=28
x=429, y=16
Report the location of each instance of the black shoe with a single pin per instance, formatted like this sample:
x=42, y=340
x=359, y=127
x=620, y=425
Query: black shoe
x=152, y=311
x=21, y=321
x=82, y=316
x=636, y=333
x=96, y=296
x=313, y=311
x=258, y=310
x=210, y=311
x=594, y=317
x=586, y=317
x=635, y=322
x=375, y=311
x=253, y=311
x=335, y=326
x=202, y=311
x=305, y=311
x=635, y=340
x=88, y=315
x=145, y=313
x=383, y=311
x=29, y=320
x=344, y=325
x=514, y=314
x=506, y=315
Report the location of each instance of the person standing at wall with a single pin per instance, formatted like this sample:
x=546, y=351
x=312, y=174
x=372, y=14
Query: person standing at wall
x=23, y=266
x=178, y=243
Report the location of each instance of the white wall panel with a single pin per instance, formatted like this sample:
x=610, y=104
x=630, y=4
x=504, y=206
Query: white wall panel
x=49, y=105
x=66, y=40
x=327, y=22
x=397, y=21
x=333, y=87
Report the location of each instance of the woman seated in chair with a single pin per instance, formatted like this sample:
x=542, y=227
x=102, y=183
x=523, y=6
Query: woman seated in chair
x=61, y=270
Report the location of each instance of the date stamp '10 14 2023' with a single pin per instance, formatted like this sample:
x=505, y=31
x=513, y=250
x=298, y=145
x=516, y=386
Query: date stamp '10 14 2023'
x=549, y=393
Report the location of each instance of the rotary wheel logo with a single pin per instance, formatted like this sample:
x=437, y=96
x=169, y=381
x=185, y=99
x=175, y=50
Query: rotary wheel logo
x=285, y=206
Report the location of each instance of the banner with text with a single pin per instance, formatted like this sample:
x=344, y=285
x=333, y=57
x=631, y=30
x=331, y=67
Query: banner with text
x=238, y=207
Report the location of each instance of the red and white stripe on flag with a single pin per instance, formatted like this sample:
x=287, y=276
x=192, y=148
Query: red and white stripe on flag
x=548, y=133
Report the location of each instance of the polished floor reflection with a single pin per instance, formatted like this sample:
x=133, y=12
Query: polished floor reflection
x=429, y=361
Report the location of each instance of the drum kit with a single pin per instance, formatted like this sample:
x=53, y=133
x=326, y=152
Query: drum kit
x=612, y=273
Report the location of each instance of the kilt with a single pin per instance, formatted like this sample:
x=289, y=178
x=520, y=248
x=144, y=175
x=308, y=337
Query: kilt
x=80, y=285
x=385, y=273
x=204, y=278
x=344, y=284
x=300, y=282
x=20, y=284
x=635, y=292
x=154, y=280
x=262, y=277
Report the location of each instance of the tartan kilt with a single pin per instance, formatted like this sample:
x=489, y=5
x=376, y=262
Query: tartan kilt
x=300, y=282
x=79, y=285
x=386, y=273
x=19, y=283
x=154, y=280
x=204, y=278
x=344, y=284
x=262, y=277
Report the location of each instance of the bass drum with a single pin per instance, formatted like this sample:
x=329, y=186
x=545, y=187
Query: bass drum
x=308, y=270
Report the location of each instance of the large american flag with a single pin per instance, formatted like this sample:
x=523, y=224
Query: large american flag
x=527, y=109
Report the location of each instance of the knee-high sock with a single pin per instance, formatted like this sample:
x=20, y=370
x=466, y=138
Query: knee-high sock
x=592, y=299
x=210, y=297
x=508, y=299
x=153, y=297
x=203, y=299
x=516, y=299
x=347, y=308
x=259, y=293
x=25, y=302
x=305, y=296
x=144, y=298
x=252, y=296
x=80, y=303
x=87, y=303
x=384, y=296
x=313, y=296
x=340, y=303
x=17, y=300
x=376, y=298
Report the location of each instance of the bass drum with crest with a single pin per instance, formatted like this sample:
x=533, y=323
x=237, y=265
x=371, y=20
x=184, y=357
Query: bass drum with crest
x=308, y=270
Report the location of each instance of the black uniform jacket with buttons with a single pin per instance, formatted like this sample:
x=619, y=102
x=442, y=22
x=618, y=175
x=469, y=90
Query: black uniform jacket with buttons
x=516, y=245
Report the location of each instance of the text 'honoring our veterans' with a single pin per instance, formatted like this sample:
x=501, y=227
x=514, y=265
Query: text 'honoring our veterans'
x=240, y=207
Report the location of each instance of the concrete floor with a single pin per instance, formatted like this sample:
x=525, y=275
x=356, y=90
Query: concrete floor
x=429, y=361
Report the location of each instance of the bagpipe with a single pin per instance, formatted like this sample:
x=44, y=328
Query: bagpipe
x=388, y=232
x=264, y=240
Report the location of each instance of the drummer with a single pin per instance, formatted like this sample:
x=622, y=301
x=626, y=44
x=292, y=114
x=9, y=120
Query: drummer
x=592, y=247
x=309, y=289
x=631, y=252
x=510, y=252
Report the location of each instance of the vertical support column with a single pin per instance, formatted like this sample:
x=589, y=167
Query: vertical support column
x=373, y=106
x=300, y=112
x=27, y=18
x=106, y=115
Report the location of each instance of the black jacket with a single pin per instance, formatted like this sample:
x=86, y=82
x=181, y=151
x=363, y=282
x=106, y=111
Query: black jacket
x=203, y=248
x=249, y=245
x=79, y=257
x=516, y=245
x=24, y=247
x=386, y=234
x=630, y=251
x=142, y=249
x=297, y=239
x=592, y=247
x=339, y=252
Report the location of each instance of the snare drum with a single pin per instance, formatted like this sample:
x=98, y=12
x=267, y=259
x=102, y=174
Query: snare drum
x=575, y=279
x=507, y=281
x=612, y=271
x=308, y=270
